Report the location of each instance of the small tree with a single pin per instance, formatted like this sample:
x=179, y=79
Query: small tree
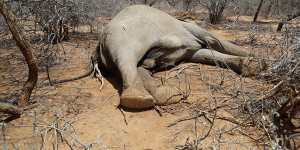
x=215, y=9
x=258, y=10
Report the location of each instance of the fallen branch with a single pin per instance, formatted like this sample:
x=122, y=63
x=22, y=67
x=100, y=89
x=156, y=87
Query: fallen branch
x=26, y=50
x=186, y=119
x=9, y=109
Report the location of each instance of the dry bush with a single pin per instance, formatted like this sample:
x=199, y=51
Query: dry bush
x=277, y=112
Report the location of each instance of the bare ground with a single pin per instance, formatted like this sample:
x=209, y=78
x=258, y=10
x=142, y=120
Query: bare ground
x=84, y=116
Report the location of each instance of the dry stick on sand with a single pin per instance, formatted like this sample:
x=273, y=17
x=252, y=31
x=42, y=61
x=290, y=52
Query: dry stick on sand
x=195, y=117
x=62, y=131
x=94, y=69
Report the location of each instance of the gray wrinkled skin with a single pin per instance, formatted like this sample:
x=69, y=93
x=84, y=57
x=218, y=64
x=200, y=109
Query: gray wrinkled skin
x=141, y=40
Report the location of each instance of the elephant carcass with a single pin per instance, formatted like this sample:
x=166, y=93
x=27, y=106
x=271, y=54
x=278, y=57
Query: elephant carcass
x=141, y=39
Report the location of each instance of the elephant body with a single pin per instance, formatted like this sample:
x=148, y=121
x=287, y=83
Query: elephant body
x=141, y=39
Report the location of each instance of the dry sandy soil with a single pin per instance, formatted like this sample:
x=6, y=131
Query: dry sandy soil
x=80, y=115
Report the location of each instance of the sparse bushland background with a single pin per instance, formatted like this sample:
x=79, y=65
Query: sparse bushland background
x=222, y=109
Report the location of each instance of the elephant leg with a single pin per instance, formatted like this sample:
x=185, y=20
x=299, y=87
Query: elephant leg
x=214, y=42
x=133, y=95
x=163, y=94
x=245, y=66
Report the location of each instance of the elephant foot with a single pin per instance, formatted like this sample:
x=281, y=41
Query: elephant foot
x=165, y=95
x=252, y=67
x=134, y=98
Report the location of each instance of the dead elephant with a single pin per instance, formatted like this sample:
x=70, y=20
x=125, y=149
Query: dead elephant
x=141, y=40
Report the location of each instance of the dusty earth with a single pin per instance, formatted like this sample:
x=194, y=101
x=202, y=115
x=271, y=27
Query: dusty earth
x=80, y=115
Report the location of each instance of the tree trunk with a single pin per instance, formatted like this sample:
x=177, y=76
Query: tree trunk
x=280, y=25
x=291, y=17
x=26, y=50
x=258, y=10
